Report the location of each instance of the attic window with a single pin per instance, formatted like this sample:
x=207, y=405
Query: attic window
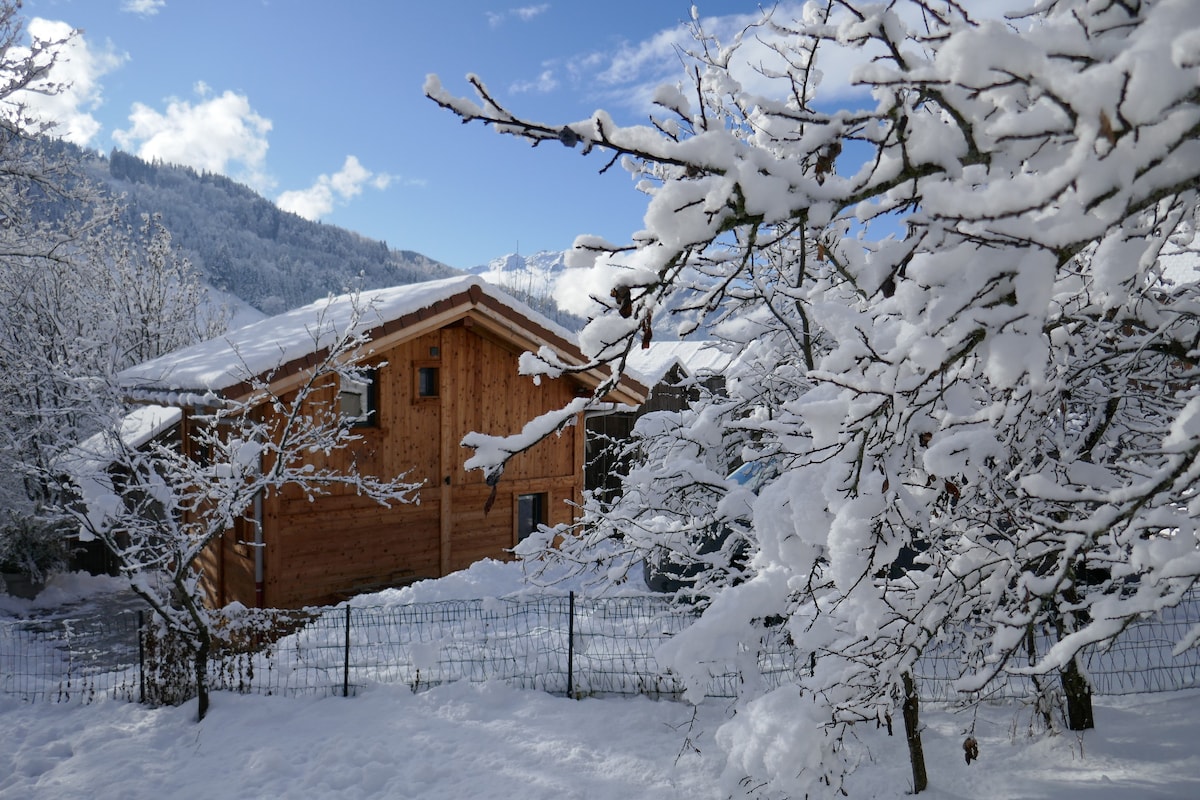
x=359, y=399
x=427, y=382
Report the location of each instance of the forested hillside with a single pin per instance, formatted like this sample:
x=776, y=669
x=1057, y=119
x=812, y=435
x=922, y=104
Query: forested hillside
x=242, y=243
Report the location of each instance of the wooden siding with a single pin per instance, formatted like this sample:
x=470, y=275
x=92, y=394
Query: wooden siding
x=327, y=554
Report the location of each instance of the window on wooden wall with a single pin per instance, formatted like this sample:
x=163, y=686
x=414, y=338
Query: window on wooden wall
x=360, y=399
x=531, y=512
x=428, y=381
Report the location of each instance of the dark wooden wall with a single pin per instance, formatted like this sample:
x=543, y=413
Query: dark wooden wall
x=607, y=434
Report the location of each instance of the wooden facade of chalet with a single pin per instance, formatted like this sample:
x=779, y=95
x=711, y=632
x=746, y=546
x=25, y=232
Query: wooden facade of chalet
x=444, y=370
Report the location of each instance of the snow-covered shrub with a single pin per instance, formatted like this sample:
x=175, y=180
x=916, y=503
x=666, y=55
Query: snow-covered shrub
x=32, y=546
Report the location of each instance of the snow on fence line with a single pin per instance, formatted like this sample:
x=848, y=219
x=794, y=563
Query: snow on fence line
x=559, y=644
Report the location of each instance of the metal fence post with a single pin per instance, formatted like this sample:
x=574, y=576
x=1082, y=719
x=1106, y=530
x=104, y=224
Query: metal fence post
x=346, y=667
x=141, y=637
x=571, y=645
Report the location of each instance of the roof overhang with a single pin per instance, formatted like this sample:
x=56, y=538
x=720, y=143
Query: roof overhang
x=473, y=307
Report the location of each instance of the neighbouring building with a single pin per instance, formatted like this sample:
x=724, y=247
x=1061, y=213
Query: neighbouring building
x=677, y=372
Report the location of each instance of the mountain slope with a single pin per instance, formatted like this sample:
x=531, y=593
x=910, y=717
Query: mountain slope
x=243, y=244
x=259, y=259
x=539, y=275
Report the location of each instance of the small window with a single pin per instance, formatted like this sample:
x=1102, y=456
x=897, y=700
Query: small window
x=359, y=401
x=427, y=382
x=531, y=512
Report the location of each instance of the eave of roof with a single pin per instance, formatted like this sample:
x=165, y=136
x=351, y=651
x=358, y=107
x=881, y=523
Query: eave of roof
x=189, y=377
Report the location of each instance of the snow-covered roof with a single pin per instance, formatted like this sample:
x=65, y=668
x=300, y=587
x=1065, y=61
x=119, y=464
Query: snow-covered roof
x=138, y=427
x=282, y=344
x=694, y=358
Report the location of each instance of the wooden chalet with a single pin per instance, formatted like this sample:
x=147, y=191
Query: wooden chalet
x=447, y=354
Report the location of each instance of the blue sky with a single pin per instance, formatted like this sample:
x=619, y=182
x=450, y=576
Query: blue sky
x=318, y=105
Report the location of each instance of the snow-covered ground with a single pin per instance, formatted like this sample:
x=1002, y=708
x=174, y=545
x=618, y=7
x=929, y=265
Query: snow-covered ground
x=488, y=741
x=468, y=740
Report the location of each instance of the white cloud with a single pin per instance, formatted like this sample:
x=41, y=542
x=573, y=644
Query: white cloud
x=348, y=183
x=524, y=13
x=629, y=75
x=529, y=12
x=147, y=8
x=328, y=190
x=216, y=134
x=648, y=58
x=545, y=82
x=77, y=72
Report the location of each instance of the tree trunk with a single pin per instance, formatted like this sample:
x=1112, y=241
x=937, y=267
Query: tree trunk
x=201, y=666
x=1075, y=687
x=912, y=732
x=202, y=647
x=1079, y=698
x=203, y=639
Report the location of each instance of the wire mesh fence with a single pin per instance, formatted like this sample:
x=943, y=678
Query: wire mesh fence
x=561, y=644
x=1141, y=659
x=77, y=659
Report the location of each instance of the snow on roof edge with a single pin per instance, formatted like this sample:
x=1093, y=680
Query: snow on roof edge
x=256, y=349
x=138, y=427
x=693, y=357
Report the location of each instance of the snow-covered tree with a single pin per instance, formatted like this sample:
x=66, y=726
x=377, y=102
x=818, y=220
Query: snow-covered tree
x=111, y=299
x=975, y=352
x=54, y=310
x=155, y=290
x=81, y=296
x=156, y=504
x=108, y=301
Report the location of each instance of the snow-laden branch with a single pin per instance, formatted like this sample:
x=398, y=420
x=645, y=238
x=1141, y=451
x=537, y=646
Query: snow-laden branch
x=968, y=327
x=493, y=452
